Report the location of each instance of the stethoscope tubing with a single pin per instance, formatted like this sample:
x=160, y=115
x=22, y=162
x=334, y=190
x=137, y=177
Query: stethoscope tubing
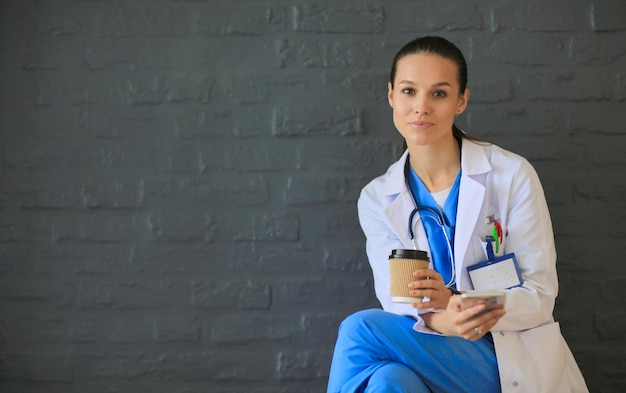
x=438, y=219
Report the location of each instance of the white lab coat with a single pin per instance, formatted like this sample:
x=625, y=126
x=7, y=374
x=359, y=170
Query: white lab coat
x=532, y=355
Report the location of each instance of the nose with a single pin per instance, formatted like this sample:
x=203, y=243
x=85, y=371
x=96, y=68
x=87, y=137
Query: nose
x=421, y=104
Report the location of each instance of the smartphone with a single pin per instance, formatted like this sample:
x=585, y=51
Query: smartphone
x=492, y=299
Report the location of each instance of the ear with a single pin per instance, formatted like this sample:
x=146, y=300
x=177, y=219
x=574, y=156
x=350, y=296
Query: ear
x=390, y=94
x=463, y=99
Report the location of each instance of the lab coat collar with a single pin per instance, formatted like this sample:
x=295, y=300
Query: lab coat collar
x=474, y=161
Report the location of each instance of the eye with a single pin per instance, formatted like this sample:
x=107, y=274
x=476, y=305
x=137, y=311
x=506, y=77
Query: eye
x=439, y=93
x=408, y=91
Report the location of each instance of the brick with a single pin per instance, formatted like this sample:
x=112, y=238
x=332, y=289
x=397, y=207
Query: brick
x=597, y=49
x=177, y=258
x=134, y=55
x=34, y=330
x=129, y=330
x=36, y=367
x=242, y=19
x=608, y=16
x=603, y=123
x=529, y=120
x=537, y=17
x=276, y=226
x=20, y=258
x=346, y=258
x=317, y=120
x=231, y=366
x=342, y=156
x=254, y=156
x=218, y=189
x=124, y=295
x=351, y=87
x=202, y=123
x=257, y=88
x=180, y=227
x=177, y=158
x=268, y=257
x=245, y=328
x=340, y=226
x=254, y=124
x=122, y=124
x=322, y=18
x=142, y=21
x=55, y=193
x=302, y=365
x=23, y=331
x=24, y=228
x=311, y=190
x=93, y=228
x=323, y=54
x=124, y=365
x=306, y=291
x=157, y=90
x=176, y=329
x=226, y=54
x=609, y=153
x=229, y=294
x=430, y=17
x=520, y=49
x=322, y=327
x=563, y=85
x=47, y=92
x=490, y=88
x=54, y=21
x=48, y=57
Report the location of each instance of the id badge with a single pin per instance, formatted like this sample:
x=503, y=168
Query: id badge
x=500, y=273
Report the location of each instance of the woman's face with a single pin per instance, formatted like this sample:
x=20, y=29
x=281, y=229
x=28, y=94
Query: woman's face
x=425, y=98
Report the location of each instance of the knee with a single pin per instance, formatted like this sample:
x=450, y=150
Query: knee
x=395, y=377
x=360, y=318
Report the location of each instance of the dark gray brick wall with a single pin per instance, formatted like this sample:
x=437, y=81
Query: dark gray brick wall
x=178, y=178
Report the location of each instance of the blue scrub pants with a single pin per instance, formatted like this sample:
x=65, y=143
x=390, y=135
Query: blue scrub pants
x=377, y=351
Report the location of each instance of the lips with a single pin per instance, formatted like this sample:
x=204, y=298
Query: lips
x=420, y=124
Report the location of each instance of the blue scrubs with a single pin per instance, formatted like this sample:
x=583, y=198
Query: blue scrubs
x=377, y=351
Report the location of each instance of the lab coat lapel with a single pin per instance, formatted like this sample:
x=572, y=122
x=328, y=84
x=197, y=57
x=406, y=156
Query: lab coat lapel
x=400, y=203
x=398, y=213
x=474, y=163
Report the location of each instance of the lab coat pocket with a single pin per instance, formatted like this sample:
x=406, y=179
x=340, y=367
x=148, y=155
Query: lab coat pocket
x=481, y=244
x=545, y=345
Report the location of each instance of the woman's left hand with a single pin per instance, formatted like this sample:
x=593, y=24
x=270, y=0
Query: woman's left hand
x=429, y=284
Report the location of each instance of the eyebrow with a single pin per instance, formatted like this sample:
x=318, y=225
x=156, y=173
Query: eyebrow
x=407, y=82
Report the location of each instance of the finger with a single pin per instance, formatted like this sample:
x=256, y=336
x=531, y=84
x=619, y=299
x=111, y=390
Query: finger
x=467, y=316
x=484, y=322
x=426, y=284
x=429, y=274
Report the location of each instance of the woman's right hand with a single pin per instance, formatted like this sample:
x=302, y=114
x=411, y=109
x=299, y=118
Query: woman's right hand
x=472, y=323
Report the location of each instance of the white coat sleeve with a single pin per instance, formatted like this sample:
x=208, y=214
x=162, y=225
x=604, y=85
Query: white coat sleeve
x=380, y=240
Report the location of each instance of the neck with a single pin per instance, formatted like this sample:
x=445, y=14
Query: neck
x=437, y=165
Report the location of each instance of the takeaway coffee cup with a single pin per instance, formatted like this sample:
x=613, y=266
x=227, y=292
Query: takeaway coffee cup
x=402, y=264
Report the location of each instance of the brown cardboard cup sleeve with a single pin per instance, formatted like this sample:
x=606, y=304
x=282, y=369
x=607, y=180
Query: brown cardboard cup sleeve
x=402, y=264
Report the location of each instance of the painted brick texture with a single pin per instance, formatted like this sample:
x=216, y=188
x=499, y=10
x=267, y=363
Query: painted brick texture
x=178, y=179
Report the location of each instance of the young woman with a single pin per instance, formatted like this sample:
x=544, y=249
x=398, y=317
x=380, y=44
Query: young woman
x=485, y=203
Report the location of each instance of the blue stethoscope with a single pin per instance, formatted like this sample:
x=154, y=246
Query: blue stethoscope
x=436, y=216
